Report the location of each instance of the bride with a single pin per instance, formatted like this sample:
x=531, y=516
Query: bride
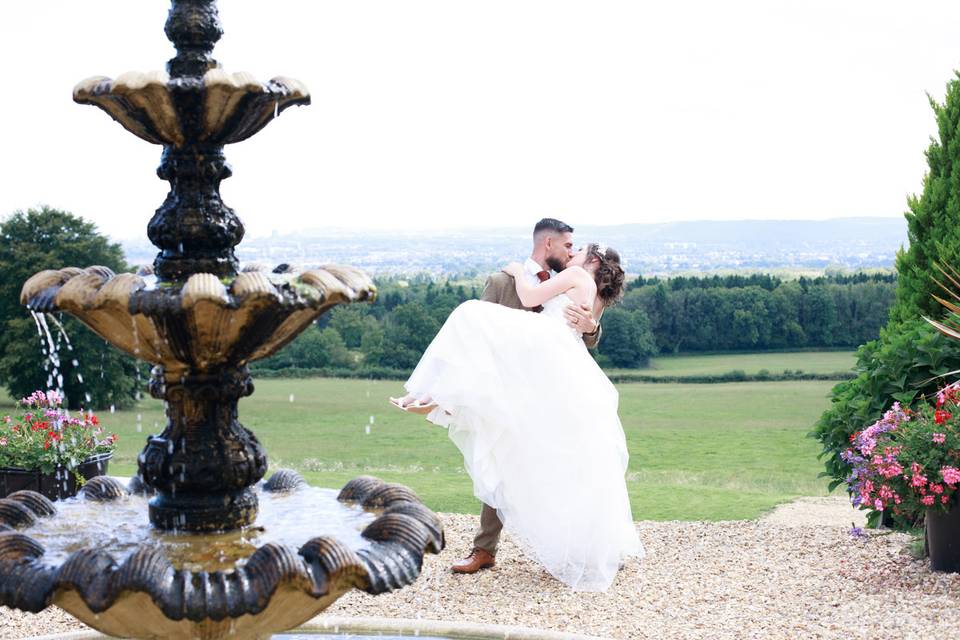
x=536, y=419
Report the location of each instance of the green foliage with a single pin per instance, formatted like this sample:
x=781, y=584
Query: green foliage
x=932, y=219
x=760, y=313
x=627, y=339
x=349, y=321
x=314, y=348
x=907, y=362
x=41, y=239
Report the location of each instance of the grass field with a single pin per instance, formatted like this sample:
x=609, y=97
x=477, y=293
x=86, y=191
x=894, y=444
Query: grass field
x=750, y=363
x=698, y=452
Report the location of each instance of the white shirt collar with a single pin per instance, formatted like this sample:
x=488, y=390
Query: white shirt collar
x=532, y=269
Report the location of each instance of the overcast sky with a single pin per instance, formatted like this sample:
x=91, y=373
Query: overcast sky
x=446, y=113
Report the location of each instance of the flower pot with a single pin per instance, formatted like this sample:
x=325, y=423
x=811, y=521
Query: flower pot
x=943, y=539
x=57, y=485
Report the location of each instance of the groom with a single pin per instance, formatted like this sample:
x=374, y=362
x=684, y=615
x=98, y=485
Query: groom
x=552, y=249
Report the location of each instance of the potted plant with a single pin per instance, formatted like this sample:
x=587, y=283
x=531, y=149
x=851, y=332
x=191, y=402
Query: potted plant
x=43, y=448
x=908, y=463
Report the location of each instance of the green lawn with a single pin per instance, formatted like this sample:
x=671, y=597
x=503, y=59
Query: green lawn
x=711, y=452
x=750, y=363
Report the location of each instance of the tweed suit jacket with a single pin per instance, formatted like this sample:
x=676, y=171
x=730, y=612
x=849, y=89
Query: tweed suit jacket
x=501, y=289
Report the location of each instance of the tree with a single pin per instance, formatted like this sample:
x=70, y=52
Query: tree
x=41, y=239
x=932, y=217
x=349, y=321
x=627, y=339
x=315, y=348
x=408, y=331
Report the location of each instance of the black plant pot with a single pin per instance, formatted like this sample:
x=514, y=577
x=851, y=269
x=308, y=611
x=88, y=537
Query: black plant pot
x=57, y=485
x=943, y=539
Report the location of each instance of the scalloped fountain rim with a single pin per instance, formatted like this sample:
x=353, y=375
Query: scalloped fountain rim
x=120, y=307
x=235, y=105
x=90, y=582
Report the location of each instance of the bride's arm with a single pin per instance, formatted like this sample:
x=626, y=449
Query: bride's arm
x=534, y=295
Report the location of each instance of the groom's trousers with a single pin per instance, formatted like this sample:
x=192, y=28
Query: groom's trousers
x=489, y=534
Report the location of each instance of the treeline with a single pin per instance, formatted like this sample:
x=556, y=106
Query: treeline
x=657, y=316
x=745, y=313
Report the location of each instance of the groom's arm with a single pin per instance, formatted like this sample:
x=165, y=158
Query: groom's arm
x=593, y=339
x=493, y=290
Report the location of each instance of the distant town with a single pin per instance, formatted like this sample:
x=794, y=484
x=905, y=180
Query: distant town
x=844, y=244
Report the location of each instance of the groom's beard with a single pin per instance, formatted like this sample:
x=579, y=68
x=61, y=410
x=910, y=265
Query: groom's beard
x=555, y=264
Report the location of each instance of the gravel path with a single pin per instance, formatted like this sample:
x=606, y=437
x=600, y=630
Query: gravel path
x=795, y=573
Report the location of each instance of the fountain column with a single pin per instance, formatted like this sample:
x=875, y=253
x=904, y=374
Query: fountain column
x=194, y=230
x=204, y=463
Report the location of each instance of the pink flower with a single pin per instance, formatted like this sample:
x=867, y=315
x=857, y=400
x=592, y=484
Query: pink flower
x=936, y=488
x=944, y=499
x=890, y=470
x=939, y=438
x=878, y=504
x=3, y=441
x=927, y=500
x=951, y=475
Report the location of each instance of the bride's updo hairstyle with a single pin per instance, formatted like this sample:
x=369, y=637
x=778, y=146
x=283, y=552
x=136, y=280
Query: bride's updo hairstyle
x=609, y=276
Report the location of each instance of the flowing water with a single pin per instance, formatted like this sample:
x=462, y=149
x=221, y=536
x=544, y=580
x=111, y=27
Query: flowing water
x=51, y=351
x=121, y=526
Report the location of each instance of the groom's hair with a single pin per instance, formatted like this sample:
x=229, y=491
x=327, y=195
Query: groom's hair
x=551, y=224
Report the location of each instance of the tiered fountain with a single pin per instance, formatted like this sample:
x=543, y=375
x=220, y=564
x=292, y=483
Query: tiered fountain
x=200, y=322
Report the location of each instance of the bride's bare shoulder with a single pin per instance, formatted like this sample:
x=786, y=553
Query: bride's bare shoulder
x=576, y=271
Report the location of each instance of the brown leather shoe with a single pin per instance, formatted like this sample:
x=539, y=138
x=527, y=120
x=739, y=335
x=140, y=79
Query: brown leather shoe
x=478, y=559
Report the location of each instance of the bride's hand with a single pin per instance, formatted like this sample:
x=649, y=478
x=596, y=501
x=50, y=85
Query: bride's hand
x=514, y=269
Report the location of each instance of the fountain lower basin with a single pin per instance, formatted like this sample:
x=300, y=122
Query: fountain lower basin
x=310, y=548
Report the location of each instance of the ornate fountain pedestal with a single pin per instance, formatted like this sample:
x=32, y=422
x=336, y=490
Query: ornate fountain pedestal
x=205, y=461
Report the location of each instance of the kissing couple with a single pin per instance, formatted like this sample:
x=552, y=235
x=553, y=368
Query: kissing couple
x=535, y=418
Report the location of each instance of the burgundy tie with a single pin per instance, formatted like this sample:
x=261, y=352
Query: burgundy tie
x=543, y=277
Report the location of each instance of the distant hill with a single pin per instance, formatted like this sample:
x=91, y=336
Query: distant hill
x=661, y=248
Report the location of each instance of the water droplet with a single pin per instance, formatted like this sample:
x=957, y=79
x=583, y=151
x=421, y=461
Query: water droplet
x=291, y=397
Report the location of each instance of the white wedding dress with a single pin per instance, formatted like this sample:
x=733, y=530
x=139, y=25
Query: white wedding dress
x=536, y=420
